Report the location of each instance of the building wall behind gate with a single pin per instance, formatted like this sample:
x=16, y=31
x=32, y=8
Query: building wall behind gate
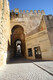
x=39, y=39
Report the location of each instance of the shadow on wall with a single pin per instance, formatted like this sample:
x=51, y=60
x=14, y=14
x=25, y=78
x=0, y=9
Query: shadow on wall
x=9, y=52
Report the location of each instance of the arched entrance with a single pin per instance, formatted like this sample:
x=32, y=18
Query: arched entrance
x=18, y=46
x=18, y=41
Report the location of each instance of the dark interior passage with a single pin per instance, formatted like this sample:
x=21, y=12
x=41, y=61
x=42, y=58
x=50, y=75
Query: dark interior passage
x=17, y=47
x=18, y=41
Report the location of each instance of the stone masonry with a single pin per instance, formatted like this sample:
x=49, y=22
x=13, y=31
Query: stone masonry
x=4, y=29
x=37, y=30
x=29, y=20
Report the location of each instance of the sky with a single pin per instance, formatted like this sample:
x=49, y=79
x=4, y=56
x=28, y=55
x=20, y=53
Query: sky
x=46, y=5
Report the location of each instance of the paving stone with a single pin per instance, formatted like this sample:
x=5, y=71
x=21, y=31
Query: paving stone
x=48, y=66
x=23, y=71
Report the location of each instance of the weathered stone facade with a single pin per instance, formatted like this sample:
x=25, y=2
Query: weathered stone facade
x=49, y=24
x=4, y=29
x=33, y=28
x=28, y=20
x=43, y=37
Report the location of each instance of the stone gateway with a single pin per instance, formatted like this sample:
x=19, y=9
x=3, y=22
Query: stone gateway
x=26, y=34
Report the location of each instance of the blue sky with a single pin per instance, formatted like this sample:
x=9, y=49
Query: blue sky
x=46, y=5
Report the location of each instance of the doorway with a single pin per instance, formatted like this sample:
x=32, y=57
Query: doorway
x=18, y=46
x=37, y=52
x=18, y=42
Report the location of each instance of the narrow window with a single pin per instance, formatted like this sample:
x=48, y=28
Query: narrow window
x=37, y=52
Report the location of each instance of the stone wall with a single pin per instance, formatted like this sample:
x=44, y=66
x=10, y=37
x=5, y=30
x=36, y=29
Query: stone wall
x=39, y=39
x=49, y=24
x=27, y=13
x=42, y=38
x=4, y=30
x=29, y=20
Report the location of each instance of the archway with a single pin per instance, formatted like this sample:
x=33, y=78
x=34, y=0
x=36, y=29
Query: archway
x=18, y=46
x=18, y=41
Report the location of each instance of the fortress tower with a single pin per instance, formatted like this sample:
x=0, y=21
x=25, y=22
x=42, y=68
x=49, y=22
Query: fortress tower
x=28, y=19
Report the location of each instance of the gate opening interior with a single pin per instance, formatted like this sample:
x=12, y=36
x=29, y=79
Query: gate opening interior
x=18, y=48
x=18, y=41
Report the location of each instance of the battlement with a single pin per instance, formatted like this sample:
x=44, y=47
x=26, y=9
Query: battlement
x=16, y=10
x=29, y=11
x=21, y=13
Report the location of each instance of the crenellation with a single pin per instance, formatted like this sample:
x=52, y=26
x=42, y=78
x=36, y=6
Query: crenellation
x=20, y=14
x=38, y=12
x=16, y=10
x=35, y=12
x=20, y=11
x=27, y=11
x=13, y=14
x=31, y=11
x=42, y=12
x=24, y=12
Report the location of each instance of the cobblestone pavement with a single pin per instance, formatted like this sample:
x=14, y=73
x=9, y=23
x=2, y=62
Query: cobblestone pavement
x=25, y=71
